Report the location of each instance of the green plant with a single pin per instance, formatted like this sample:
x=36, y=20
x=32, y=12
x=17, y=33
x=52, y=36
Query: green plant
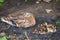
x=58, y=23
x=1, y=3
x=1, y=0
x=57, y=1
x=3, y=38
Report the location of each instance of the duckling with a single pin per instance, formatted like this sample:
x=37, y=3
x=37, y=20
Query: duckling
x=45, y=28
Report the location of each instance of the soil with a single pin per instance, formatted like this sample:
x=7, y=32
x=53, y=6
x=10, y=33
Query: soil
x=39, y=11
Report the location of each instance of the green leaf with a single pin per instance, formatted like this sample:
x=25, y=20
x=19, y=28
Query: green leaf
x=1, y=4
x=57, y=23
x=3, y=38
x=1, y=0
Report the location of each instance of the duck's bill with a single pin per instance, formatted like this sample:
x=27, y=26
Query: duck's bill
x=9, y=22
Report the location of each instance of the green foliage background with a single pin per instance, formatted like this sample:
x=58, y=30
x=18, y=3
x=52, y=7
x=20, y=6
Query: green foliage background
x=57, y=1
x=1, y=3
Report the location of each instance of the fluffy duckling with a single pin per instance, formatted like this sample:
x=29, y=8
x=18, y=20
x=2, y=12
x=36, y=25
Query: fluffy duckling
x=45, y=28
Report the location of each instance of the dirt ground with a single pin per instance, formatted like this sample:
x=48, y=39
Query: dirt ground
x=39, y=11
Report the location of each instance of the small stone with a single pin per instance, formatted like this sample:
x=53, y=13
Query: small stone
x=48, y=10
x=37, y=2
x=47, y=0
x=2, y=34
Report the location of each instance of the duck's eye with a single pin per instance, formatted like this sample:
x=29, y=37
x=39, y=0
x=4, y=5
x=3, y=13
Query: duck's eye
x=13, y=22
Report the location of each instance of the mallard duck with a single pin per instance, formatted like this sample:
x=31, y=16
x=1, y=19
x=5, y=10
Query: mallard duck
x=20, y=19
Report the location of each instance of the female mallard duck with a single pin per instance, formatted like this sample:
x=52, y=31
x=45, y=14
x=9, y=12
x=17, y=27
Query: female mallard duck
x=20, y=19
